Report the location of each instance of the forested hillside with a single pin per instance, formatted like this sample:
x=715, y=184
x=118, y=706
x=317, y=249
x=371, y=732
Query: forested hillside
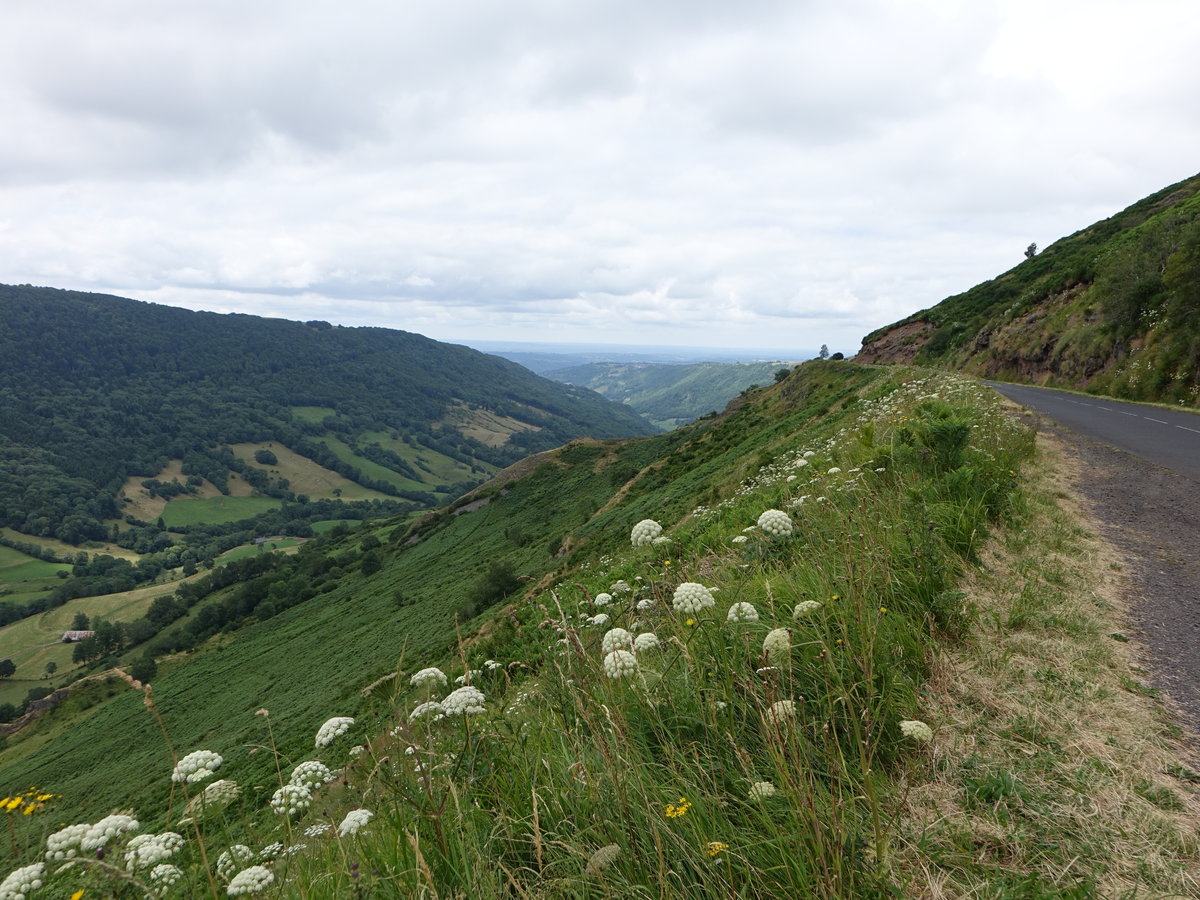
x=96, y=390
x=1113, y=308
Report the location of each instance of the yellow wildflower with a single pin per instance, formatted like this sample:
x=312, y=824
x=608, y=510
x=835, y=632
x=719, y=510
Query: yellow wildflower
x=675, y=810
x=715, y=848
x=78, y=895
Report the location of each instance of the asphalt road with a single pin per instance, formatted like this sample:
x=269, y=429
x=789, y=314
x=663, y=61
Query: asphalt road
x=1164, y=437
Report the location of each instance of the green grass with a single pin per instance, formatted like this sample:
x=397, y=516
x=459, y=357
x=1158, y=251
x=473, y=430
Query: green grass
x=254, y=549
x=23, y=577
x=216, y=510
x=313, y=414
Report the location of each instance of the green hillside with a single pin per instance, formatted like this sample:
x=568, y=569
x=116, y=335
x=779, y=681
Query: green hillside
x=1114, y=308
x=669, y=395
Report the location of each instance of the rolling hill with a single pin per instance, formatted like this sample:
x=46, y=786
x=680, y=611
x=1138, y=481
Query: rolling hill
x=1113, y=308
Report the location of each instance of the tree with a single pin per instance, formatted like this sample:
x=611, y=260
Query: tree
x=7, y=668
x=80, y=622
x=782, y=374
x=265, y=458
x=824, y=354
x=51, y=667
x=144, y=669
x=1031, y=251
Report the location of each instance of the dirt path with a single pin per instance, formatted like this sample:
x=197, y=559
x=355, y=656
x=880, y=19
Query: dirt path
x=1152, y=515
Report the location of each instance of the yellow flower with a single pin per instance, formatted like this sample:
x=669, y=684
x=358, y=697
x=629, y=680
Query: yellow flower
x=675, y=810
x=77, y=895
x=690, y=622
x=715, y=848
x=14, y=803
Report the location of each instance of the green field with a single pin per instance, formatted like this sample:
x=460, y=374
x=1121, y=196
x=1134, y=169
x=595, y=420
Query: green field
x=283, y=544
x=22, y=576
x=371, y=469
x=216, y=510
x=440, y=468
x=312, y=414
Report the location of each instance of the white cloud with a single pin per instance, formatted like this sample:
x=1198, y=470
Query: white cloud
x=760, y=173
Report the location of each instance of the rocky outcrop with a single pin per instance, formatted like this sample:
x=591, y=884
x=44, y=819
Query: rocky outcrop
x=896, y=345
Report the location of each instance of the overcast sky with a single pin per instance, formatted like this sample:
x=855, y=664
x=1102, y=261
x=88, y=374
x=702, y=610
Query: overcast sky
x=691, y=172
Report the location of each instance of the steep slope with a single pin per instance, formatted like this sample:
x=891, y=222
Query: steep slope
x=98, y=389
x=1112, y=308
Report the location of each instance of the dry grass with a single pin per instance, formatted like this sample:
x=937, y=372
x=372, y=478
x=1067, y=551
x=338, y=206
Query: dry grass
x=1055, y=773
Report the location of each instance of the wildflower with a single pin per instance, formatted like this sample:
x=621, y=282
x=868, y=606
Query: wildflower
x=603, y=599
x=644, y=533
x=598, y=619
x=463, y=701
x=834, y=471
x=602, y=859
x=429, y=706
x=146, y=850
x=270, y=851
x=105, y=830
x=164, y=875
x=333, y=729
x=355, y=820
x=648, y=603
x=616, y=639
x=780, y=711
x=491, y=665
x=317, y=830
x=237, y=855
x=294, y=849
x=468, y=676
x=357, y=750
x=620, y=663
x=22, y=881
x=197, y=766
x=691, y=598
x=645, y=642
x=742, y=612
x=311, y=774
x=805, y=608
x=291, y=799
x=715, y=848
x=214, y=796
x=776, y=523
x=761, y=790
x=253, y=880
x=809, y=454
x=676, y=810
x=916, y=730
x=431, y=677
x=620, y=587
x=64, y=844
x=766, y=670
x=777, y=645
x=740, y=539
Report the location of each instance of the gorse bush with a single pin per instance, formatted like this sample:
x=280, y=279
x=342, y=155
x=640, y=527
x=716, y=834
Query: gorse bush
x=683, y=716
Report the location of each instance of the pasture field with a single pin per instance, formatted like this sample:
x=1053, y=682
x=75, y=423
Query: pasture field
x=371, y=469
x=312, y=414
x=305, y=476
x=92, y=548
x=283, y=544
x=216, y=510
x=440, y=468
x=22, y=576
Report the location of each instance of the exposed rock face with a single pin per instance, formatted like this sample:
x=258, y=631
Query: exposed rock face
x=896, y=345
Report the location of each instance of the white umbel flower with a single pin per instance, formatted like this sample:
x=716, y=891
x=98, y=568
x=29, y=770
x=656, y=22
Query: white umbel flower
x=422, y=709
x=740, y=539
x=355, y=820
x=229, y=860
x=742, y=612
x=917, y=730
x=646, y=604
x=311, y=774
x=64, y=844
x=691, y=598
x=598, y=620
x=761, y=790
x=253, y=880
x=780, y=711
x=164, y=875
x=466, y=700
x=333, y=729
x=616, y=639
x=21, y=882
x=777, y=645
x=105, y=830
x=620, y=663
x=146, y=850
x=431, y=677
x=834, y=471
x=645, y=642
x=805, y=608
x=291, y=799
x=776, y=523
x=644, y=533
x=603, y=599
x=197, y=766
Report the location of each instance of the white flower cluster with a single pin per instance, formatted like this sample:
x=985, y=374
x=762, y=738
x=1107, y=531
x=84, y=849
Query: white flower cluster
x=311, y=774
x=761, y=790
x=647, y=603
x=214, y=796
x=355, y=820
x=164, y=875
x=334, y=728
x=463, y=701
x=148, y=850
x=491, y=665
x=777, y=645
x=291, y=799
x=598, y=620
x=805, y=608
x=780, y=711
x=776, y=523
x=691, y=598
x=314, y=831
x=468, y=676
x=229, y=860
x=620, y=663
x=64, y=844
x=429, y=706
x=916, y=730
x=742, y=612
x=197, y=766
x=271, y=851
x=620, y=587
x=105, y=830
x=22, y=881
x=431, y=677
x=603, y=599
x=739, y=539
x=645, y=642
x=644, y=533
x=616, y=639
x=253, y=880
